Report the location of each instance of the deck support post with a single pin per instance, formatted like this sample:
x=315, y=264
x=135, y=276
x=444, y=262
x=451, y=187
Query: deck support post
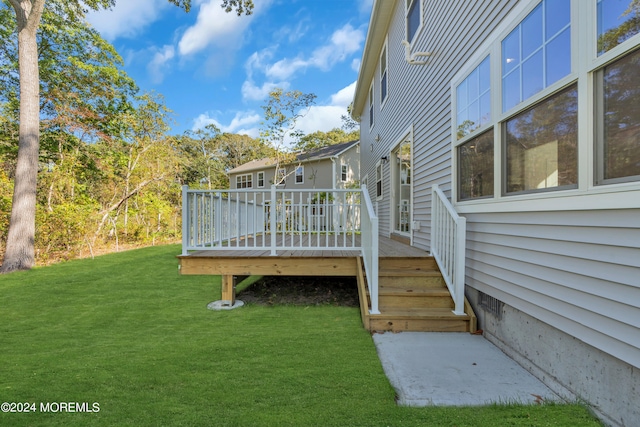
x=228, y=290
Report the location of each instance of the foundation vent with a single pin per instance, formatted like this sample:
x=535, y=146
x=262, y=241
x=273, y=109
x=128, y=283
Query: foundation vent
x=491, y=304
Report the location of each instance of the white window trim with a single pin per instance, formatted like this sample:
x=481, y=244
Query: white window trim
x=258, y=179
x=584, y=62
x=249, y=179
x=386, y=68
x=345, y=167
x=296, y=175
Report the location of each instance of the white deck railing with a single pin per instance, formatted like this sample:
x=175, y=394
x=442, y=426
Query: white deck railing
x=278, y=219
x=370, y=248
x=448, y=234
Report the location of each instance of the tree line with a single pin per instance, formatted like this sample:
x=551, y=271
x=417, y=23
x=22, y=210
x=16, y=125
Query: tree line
x=107, y=170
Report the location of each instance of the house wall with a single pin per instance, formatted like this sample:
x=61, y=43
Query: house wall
x=320, y=174
x=419, y=101
x=567, y=281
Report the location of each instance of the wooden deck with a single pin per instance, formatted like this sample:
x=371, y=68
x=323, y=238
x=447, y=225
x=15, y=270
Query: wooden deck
x=316, y=248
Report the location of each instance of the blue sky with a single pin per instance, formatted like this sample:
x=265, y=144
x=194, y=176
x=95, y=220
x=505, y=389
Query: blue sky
x=214, y=67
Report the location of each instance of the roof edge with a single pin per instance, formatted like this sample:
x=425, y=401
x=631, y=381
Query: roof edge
x=378, y=25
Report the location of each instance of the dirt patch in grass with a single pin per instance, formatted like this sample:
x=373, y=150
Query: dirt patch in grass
x=277, y=290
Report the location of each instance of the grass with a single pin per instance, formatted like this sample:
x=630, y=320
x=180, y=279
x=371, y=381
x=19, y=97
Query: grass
x=128, y=332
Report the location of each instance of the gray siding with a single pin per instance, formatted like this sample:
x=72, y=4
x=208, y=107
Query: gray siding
x=419, y=97
x=578, y=271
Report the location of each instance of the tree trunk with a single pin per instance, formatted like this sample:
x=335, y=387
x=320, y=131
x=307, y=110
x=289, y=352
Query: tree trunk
x=20, y=254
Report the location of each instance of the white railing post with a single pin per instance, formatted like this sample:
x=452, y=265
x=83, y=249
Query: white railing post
x=273, y=220
x=448, y=245
x=369, y=234
x=185, y=219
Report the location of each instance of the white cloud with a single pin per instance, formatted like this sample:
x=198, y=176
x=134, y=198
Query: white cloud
x=158, y=64
x=257, y=61
x=326, y=117
x=126, y=18
x=355, y=65
x=344, y=96
x=257, y=93
x=343, y=43
x=216, y=27
x=243, y=123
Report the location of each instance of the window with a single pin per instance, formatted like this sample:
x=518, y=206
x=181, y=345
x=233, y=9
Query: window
x=414, y=18
x=260, y=179
x=379, y=180
x=244, y=181
x=473, y=100
x=371, y=106
x=619, y=120
x=300, y=175
x=344, y=173
x=541, y=144
x=475, y=165
x=560, y=135
x=618, y=20
x=383, y=75
x=537, y=53
x=280, y=176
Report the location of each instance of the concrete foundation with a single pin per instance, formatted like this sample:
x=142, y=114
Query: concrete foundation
x=570, y=367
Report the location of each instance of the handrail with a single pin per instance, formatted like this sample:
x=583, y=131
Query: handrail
x=448, y=241
x=370, y=248
x=278, y=219
x=273, y=219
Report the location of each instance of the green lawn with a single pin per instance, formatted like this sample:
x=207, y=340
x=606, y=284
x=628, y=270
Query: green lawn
x=128, y=332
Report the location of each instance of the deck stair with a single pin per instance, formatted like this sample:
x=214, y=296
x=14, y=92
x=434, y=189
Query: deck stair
x=414, y=297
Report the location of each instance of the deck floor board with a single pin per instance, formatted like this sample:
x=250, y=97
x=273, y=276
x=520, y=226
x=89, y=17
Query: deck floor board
x=298, y=248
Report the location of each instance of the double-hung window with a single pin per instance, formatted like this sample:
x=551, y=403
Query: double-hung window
x=552, y=105
x=260, y=179
x=413, y=17
x=300, y=175
x=244, y=181
x=371, y=104
x=475, y=153
x=383, y=75
x=344, y=173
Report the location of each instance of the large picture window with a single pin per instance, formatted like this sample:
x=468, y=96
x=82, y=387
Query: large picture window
x=619, y=118
x=541, y=145
x=537, y=53
x=475, y=163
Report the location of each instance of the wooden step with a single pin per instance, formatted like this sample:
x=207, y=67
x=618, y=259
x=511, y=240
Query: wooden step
x=399, y=298
x=424, y=263
x=411, y=278
x=419, y=320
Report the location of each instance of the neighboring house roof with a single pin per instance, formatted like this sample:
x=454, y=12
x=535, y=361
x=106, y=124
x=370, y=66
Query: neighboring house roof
x=378, y=26
x=317, y=154
x=253, y=165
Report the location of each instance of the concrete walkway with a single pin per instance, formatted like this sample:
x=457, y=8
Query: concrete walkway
x=454, y=369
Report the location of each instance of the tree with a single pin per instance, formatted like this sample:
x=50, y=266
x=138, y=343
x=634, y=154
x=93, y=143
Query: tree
x=19, y=251
x=281, y=114
x=321, y=139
